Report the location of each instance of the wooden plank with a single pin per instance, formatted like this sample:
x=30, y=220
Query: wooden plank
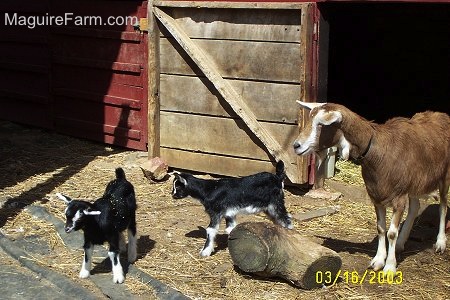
x=98, y=64
x=222, y=136
x=153, y=134
x=269, y=101
x=315, y=213
x=240, y=24
x=223, y=4
x=95, y=97
x=92, y=48
x=74, y=126
x=278, y=62
x=17, y=66
x=93, y=79
x=214, y=164
x=24, y=109
x=227, y=91
x=307, y=31
x=24, y=97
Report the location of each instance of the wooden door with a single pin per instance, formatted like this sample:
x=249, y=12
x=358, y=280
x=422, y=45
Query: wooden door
x=225, y=83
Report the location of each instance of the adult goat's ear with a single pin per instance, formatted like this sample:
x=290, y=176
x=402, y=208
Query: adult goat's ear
x=64, y=198
x=328, y=117
x=91, y=212
x=309, y=105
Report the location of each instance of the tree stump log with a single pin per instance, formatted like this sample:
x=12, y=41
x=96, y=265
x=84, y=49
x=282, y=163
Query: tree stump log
x=270, y=250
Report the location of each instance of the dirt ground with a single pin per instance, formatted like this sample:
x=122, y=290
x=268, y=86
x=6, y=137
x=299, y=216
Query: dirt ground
x=35, y=164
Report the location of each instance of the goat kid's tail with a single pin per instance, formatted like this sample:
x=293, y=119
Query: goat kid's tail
x=280, y=170
x=120, y=174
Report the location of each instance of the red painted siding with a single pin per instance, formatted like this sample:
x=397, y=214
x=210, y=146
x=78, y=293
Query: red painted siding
x=87, y=80
x=25, y=66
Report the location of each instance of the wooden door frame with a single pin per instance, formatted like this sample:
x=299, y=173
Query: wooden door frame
x=296, y=173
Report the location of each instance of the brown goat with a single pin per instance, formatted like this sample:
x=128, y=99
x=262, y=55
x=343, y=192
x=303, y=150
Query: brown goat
x=401, y=160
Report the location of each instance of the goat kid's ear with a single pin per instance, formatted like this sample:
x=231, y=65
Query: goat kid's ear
x=66, y=199
x=181, y=179
x=310, y=105
x=91, y=212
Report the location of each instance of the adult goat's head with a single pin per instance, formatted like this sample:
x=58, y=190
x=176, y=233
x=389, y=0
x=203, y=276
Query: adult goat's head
x=321, y=131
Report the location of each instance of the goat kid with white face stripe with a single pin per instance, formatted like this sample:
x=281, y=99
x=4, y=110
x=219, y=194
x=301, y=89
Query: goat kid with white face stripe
x=104, y=221
x=401, y=161
x=225, y=198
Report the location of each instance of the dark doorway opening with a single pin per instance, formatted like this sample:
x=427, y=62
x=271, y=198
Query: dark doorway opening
x=388, y=59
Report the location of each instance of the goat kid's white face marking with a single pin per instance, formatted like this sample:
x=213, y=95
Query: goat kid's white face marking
x=174, y=187
x=176, y=180
x=74, y=220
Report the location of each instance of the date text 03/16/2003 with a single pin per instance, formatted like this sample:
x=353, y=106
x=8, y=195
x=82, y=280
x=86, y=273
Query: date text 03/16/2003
x=354, y=277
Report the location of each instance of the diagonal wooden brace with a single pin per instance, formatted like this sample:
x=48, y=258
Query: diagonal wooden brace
x=226, y=91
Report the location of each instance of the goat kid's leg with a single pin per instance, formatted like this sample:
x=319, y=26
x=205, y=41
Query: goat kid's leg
x=413, y=208
x=122, y=243
x=441, y=240
x=114, y=256
x=391, y=261
x=211, y=233
x=85, y=271
x=379, y=260
x=132, y=242
x=230, y=221
x=278, y=213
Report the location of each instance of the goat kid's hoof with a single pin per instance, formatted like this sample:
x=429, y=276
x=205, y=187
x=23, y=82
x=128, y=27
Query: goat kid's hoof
x=118, y=279
x=84, y=274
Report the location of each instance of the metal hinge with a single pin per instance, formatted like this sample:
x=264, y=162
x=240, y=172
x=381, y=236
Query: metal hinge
x=142, y=25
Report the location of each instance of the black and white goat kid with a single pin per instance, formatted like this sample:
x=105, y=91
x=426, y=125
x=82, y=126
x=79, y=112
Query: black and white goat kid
x=104, y=221
x=225, y=198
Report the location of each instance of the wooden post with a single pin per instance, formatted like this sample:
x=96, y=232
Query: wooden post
x=270, y=250
x=153, y=84
x=307, y=95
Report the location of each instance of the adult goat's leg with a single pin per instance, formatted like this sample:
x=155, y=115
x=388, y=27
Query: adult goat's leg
x=441, y=240
x=379, y=260
x=398, y=208
x=413, y=208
